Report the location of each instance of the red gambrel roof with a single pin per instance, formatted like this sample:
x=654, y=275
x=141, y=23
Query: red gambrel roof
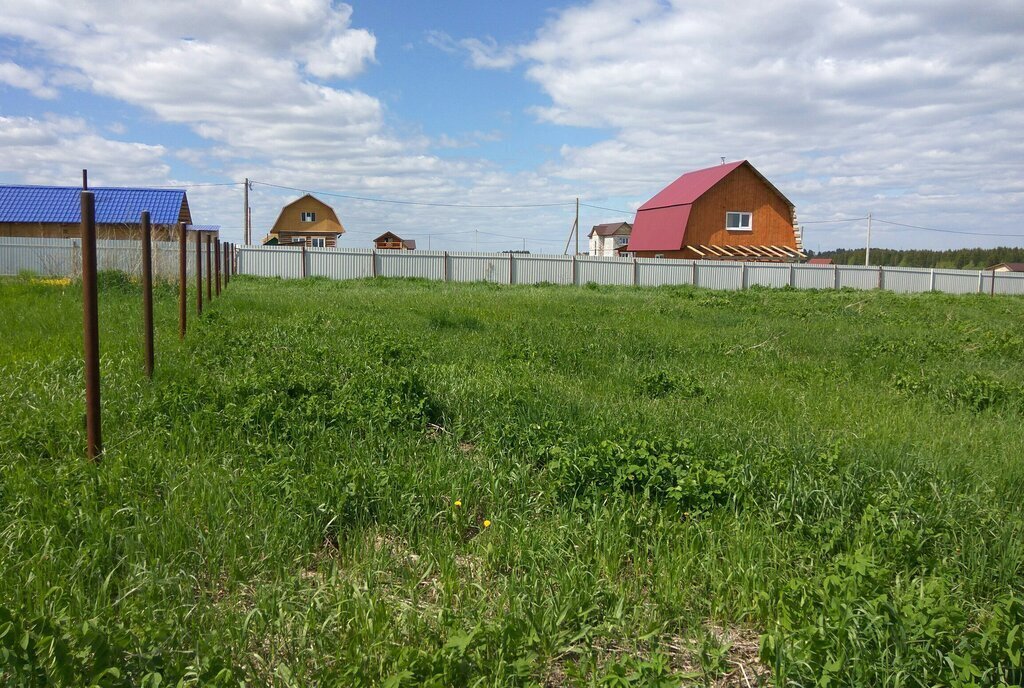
x=690, y=186
x=660, y=223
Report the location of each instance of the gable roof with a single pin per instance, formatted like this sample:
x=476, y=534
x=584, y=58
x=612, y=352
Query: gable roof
x=660, y=223
x=388, y=235
x=329, y=225
x=1010, y=267
x=609, y=229
x=114, y=205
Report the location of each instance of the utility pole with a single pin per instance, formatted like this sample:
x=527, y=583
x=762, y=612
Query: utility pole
x=577, y=225
x=867, y=252
x=245, y=214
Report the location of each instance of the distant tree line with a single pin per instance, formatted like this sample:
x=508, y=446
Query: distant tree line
x=960, y=258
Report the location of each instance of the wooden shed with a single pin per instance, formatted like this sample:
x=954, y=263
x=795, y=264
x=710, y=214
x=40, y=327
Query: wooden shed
x=390, y=240
x=55, y=212
x=306, y=220
x=727, y=212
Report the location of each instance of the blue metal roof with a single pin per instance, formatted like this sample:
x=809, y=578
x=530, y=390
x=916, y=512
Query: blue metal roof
x=114, y=205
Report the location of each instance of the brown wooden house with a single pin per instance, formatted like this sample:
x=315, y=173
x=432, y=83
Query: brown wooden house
x=390, y=240
x=306, y=221
x=727, y=212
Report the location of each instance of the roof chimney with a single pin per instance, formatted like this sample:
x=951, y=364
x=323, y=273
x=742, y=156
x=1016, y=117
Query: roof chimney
x=723, y=159
x=85, y=180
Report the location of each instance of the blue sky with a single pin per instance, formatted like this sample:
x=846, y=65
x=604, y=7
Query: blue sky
x=910, y=112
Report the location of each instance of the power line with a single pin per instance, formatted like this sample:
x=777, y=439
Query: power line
x=192, y=186
x=421, y=203
x=613, y=210
x=948, y=231
x=821, y=222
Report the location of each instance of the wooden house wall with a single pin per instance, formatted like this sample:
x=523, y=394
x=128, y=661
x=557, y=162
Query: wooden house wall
x=57, y=230
x=741, y=191
x=290, y=219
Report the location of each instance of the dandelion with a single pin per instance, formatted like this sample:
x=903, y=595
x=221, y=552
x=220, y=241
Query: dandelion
x=487, y=524
x=458, y=503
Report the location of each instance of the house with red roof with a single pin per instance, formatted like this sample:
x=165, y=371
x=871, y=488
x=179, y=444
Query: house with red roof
x=726, y=212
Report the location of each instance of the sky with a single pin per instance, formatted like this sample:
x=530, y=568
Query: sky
x=911, y=111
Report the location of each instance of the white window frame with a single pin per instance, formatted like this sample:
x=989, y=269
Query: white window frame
x=298, y=240
x=308, y=216
x=742, y=214
x=620, y=240
x=318, y=242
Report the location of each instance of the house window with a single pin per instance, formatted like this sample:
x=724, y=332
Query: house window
x=737, y=222
x=309, y=217
x=298, y=240
x=318, y=242
x=659, y=255
x=621, y=241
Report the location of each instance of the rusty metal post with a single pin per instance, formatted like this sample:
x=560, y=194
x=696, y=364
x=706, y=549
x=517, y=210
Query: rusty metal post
x=216, y=263
x=90, y=329
x=147, y=293
x=209, y=270
x=182, y=280
x=199, y=272
x=227, y=264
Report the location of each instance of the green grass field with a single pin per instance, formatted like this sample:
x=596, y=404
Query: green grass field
x=410, y=483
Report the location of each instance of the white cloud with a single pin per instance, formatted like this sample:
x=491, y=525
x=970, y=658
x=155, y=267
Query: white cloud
x=54, y=150
x=483, y=53
x=912, y=110
x=30, y=80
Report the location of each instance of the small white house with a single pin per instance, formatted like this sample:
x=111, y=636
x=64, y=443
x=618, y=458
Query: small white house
x=605, y=239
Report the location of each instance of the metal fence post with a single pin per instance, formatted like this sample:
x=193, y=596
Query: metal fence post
x=227, y=264
x=574, y=269
x=216, y=263
x=511, y=258
x=147, y=294
x=981, y=282
x=931, y=281
x=199, y=272
x=881, y=280
x=743, y=276
x=835, y=275
x=90, y=328
x=636, y=273
x=792, y=275
x=305, y=270
x=373, y=262
x=445, y=266
x=182, y=280
x=209, y=270
x=993, y=285
x=693, y=273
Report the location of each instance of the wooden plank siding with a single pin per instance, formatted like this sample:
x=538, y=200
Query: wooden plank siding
x=290, y=224
x=741, y=191
x=57, y=230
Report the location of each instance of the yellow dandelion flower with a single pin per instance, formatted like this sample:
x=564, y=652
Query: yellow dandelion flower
x=487, y=524
x=458, y=503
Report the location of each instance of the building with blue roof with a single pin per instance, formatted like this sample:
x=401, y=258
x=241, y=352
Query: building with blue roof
x=55, y=211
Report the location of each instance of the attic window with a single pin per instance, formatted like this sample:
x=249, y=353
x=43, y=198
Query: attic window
x=737, y=222
x=309, y=217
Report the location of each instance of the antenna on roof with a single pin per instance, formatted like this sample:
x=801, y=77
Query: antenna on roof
x=85, y=180
x=723, y=159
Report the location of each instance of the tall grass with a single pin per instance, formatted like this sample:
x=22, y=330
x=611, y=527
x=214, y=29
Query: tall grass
x=410, y=483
